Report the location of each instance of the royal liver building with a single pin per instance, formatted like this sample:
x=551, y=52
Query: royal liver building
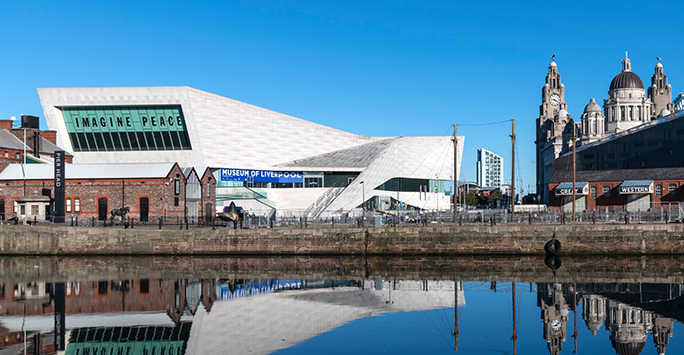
x=628, y=105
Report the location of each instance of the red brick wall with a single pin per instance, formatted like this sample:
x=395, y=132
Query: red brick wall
x=119, y=193
x=51, y=136
x=616, y=200
x=90, y=298
x=6, y=124
x=208, y=203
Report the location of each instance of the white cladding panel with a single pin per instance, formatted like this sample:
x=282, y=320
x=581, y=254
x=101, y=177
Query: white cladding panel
x=223, y=132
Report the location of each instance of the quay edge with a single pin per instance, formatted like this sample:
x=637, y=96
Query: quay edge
x=577, y=239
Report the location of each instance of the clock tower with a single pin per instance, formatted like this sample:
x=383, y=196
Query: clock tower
x=554, y=129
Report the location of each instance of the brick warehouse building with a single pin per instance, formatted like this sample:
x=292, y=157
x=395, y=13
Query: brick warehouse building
x=623, y=189
x=39, y=145
x=150, y=191
x=637, y=169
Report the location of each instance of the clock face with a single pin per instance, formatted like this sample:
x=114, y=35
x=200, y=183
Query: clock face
x=554, y=100
x=556, y=324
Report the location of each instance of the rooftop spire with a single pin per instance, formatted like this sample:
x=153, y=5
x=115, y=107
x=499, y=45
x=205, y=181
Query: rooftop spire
x=626, y=63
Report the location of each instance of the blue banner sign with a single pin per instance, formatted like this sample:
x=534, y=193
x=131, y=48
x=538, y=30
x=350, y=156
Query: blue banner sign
x=254, y=288
x=261, y=175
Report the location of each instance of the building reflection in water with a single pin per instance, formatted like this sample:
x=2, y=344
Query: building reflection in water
x=165, y=316
x=103, y=317
x=629, y=311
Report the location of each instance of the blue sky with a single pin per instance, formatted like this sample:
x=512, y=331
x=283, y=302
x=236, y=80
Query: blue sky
x=380, y=68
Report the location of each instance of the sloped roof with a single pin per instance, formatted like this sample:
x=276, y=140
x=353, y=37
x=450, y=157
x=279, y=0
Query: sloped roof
x=88, y=171
x=187, y=171
x=568, y=185
x=10, y=141
x=360, y=156
x=47, y=147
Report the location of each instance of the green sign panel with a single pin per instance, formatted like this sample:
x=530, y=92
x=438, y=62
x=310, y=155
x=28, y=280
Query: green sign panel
x=121, y=128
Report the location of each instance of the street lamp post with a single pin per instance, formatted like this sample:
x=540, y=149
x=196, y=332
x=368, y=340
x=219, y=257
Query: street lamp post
x=363, y=202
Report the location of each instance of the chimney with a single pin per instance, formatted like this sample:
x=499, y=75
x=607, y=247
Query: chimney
x=51, y=136
x=6, y=124
x=36, y=143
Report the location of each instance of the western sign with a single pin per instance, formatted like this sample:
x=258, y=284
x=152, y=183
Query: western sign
x=635, y=190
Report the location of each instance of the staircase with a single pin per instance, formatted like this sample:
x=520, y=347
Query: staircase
x=322, y=202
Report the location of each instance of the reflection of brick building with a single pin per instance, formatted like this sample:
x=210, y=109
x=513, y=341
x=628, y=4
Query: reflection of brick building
x=151, y=191
x=175, y=298
x=145, y=295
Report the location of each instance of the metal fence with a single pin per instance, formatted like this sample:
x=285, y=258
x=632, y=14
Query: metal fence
x=661, y=213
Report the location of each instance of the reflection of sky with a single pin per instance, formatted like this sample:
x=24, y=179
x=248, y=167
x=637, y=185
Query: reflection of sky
x=485, y=327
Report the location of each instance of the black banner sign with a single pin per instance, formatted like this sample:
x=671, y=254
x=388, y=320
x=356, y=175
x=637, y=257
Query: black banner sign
x=59, y=186
x=60, y=311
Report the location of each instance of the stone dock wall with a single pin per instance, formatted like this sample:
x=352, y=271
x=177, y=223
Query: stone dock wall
x=521, y=268
x=577, y=239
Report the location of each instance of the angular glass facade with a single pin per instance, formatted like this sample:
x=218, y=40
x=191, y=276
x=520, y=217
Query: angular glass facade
x=412, y=185
x=126, y=128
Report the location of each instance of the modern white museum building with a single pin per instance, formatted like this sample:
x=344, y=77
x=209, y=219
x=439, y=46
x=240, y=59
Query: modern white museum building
x=264, y=161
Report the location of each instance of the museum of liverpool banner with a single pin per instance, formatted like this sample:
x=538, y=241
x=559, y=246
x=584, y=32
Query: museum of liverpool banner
x=262, y=176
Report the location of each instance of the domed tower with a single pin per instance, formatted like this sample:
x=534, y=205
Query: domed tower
x=627, y=105
x=662, y=331
x=660, y=93
x=629, y=327
x=554, y=127
x=594, y=312
x=593, y=123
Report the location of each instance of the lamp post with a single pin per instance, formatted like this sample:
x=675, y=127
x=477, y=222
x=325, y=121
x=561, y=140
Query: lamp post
x=363, y=202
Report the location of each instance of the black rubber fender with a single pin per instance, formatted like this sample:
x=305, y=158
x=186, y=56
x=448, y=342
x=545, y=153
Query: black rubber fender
x=552, y=247
x=553, y=262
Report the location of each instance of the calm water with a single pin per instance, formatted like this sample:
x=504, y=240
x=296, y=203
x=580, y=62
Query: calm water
x=178, y=306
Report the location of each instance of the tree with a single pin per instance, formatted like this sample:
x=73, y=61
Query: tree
x=471, y=199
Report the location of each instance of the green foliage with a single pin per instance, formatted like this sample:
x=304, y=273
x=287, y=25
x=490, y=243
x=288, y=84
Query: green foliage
x=471, y=199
